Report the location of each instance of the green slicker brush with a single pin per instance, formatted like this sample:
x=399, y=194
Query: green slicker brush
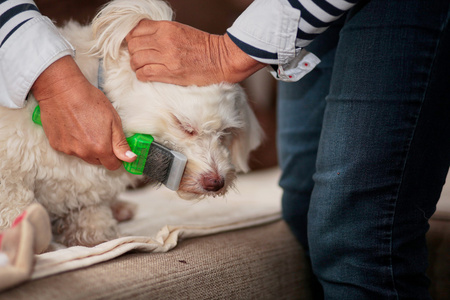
x=153, y=160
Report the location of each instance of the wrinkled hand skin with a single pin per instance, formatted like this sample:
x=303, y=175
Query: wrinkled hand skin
x=77, y=118
x=171, y=52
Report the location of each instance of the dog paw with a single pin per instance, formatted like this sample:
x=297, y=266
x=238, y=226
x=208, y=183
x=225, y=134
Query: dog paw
x=123, y=210
x=88, y=226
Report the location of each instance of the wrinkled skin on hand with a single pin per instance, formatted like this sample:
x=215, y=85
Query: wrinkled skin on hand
x=172, y=52
x=77, y=118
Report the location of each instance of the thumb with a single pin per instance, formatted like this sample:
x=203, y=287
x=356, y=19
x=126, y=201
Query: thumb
x=120, y=146
x=144, y=27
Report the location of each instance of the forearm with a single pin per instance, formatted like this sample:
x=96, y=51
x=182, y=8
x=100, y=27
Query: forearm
x=237, y=65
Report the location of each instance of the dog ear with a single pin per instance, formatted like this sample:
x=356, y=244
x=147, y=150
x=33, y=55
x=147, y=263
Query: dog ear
x=117, y=18
x=247, y=138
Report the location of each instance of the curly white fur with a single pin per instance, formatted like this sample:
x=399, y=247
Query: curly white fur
x=213, y=126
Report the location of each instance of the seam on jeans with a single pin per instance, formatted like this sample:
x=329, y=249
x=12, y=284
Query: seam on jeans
x=441, y=32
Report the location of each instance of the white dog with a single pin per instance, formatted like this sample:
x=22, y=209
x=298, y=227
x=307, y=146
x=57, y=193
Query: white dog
x=213, y=126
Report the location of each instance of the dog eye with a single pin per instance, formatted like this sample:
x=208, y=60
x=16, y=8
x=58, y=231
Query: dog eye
x=189, y=130
x=186, y=128
x=230, y=131
x=227, y=134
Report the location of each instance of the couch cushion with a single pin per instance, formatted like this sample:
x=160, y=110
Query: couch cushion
x=263, y=262
x=439, y=256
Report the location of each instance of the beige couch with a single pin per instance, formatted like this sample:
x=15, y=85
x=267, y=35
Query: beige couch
x=263, y=262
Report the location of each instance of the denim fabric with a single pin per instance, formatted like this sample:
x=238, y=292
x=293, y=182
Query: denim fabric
x=364, y=146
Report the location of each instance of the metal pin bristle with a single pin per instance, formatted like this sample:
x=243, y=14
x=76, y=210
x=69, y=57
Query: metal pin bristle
x=159, y=162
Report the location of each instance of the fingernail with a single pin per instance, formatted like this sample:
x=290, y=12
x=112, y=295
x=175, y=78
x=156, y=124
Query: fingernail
x=130, y=154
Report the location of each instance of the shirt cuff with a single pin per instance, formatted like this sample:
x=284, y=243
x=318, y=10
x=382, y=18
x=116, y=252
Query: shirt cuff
x=267, y=32
x=303, y=63
x=25, y=55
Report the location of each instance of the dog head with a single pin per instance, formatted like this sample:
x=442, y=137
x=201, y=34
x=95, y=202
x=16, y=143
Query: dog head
x=213, y=126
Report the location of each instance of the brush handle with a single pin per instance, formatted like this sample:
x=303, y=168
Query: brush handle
x=36, y=117
x=140, y=145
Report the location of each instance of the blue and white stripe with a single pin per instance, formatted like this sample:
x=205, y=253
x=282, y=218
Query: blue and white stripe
x=13, y=14
x=315, y=16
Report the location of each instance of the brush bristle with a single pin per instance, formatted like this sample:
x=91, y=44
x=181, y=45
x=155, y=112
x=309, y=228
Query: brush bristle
x=159, y=162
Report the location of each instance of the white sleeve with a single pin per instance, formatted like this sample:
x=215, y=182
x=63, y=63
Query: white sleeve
x=29, y=43
x=275, y=31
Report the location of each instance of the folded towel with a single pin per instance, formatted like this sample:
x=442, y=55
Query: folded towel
x=155, y=229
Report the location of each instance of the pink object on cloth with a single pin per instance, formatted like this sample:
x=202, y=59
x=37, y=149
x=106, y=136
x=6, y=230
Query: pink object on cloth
x=29, y=235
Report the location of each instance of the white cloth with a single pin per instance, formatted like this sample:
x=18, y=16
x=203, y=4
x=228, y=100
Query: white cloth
x=154, y=227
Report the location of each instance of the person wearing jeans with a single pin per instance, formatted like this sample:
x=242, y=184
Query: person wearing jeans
x=364, y=145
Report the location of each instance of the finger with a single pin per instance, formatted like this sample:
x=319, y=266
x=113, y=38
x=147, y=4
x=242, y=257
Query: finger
x=91, y=156
x=105, y=156
x=142, y=43
x=120, y=146
x=110, y=162
x=144, y=27
x=153, y=72
x=92, y=161
x=140, y=59
x=98, y=153
x=144, y=57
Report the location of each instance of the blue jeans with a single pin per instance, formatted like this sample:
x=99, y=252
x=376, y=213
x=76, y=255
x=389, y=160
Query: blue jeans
x=364, y=147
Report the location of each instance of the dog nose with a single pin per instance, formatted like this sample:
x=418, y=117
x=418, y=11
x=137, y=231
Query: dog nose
x=212, y=182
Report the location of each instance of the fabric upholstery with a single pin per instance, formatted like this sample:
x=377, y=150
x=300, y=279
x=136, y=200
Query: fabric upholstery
x=263, y=262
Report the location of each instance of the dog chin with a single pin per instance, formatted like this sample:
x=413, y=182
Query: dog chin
x=194, y=195
x=197, y=192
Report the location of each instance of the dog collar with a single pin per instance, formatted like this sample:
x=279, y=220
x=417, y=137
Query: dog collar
x=100, y=78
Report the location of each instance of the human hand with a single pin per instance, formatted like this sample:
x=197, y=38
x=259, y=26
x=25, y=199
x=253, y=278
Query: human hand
x=171, y=52
x=77, y=118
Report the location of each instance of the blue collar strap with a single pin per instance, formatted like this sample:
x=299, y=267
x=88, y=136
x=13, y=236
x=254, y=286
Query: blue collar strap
x=100, y=78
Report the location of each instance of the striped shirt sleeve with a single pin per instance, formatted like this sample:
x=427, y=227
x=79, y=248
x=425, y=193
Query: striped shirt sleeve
x=29, y=43
x=276, y=31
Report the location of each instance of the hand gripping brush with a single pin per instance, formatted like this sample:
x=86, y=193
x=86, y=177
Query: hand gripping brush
x=153, y=160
